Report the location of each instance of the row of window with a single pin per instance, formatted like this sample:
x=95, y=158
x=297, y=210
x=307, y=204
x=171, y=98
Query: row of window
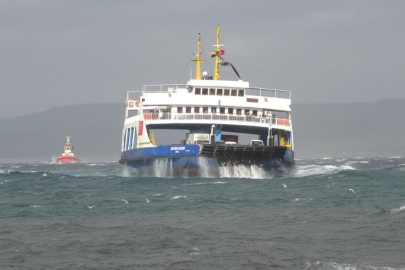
x=219, y=92
x=214, y=110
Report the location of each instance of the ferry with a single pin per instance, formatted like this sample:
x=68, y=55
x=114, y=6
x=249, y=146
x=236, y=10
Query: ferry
x=68, y=155
x=216, y=116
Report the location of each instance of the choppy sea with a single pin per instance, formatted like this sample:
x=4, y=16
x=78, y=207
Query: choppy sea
x=107, y=216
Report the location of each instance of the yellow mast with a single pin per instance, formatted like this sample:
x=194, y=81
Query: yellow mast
x=198, y=60
x=216, y=54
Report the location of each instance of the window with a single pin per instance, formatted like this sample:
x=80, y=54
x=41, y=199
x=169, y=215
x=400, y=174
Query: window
x=247, y=112
x=212, y=91
x=205, y=91
x=222, y=110
x=254, y=112
x=230, y=110
x=238, y=111
x=179, y=109
x=198, y=91
x=219, y=92
x=197, y=109
x=205, y=109
x=213, y=109
x=234, y=92
x=241, y=92
x=188, y=109
x=226, y=92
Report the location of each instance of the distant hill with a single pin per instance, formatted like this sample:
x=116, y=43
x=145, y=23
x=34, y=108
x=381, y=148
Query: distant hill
x=320, y=130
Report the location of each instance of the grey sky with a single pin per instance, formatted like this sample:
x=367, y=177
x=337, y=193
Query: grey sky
x=74, y=52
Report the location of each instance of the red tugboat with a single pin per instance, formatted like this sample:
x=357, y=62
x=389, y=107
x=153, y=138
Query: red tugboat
x=68, y=156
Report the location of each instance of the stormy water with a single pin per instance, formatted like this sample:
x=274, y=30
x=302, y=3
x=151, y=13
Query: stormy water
x=108, y=216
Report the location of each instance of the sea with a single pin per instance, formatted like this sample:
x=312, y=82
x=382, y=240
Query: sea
x=346, y=213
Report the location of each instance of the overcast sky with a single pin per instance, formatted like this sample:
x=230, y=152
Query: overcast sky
x=76, y=52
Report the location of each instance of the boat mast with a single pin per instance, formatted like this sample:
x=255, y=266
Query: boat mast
x=216, y=53
x=197, y=59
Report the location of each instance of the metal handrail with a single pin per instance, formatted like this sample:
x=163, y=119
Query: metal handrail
x=258, y=91
x=221, y=117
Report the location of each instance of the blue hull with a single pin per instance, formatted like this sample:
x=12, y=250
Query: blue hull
x=178, y=158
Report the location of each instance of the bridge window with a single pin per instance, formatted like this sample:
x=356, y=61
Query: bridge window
x=188, y=109
x=205, y=109
x=198, y=91
x=179, y=109
x=197, y=109
x=212, y=91
x=219, y=92
x=230, y=110
x=205, y=91
x=222, y=110
x=234, y=92
x=226, y=92
x=241, y=92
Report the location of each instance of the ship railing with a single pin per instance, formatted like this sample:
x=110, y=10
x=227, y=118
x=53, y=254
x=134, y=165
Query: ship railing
x=168, y=88
x=220, y=117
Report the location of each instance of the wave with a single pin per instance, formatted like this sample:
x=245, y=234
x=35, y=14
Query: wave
x=179, y=197
x=310, y=170
x=344, y=266
x=390, y=211
x=303, y=199
x=396, y=210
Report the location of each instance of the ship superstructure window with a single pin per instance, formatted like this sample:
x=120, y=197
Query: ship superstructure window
x=234, y=92
x=212, y=91
x=226, y=92
x=131, y=142
x=205, y=109
x=205, y=91
x=230, y=110
x=247, y=112
x=222, y=110
x=127, y=140
x=179, y=109
x=239, y=111
x=197, y=109
x=213, y=109
x=254, y=112
x=188, y=109
x=219, y=92
x=241, y=92
x=198, y=91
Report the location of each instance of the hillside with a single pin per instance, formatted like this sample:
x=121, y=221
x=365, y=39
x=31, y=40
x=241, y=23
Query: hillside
x=320, y=130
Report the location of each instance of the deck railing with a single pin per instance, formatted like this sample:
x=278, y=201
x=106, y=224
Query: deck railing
x=251, y=91
x=221, y=117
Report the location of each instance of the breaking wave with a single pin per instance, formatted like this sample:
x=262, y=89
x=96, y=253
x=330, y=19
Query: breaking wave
x=345, y=266
x=310, y=170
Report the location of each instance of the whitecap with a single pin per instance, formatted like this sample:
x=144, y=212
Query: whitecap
x=303, y=199
x=35, y=206
x=396, y=210
x=309, y=170
x=219, y=182
x=179, y=197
